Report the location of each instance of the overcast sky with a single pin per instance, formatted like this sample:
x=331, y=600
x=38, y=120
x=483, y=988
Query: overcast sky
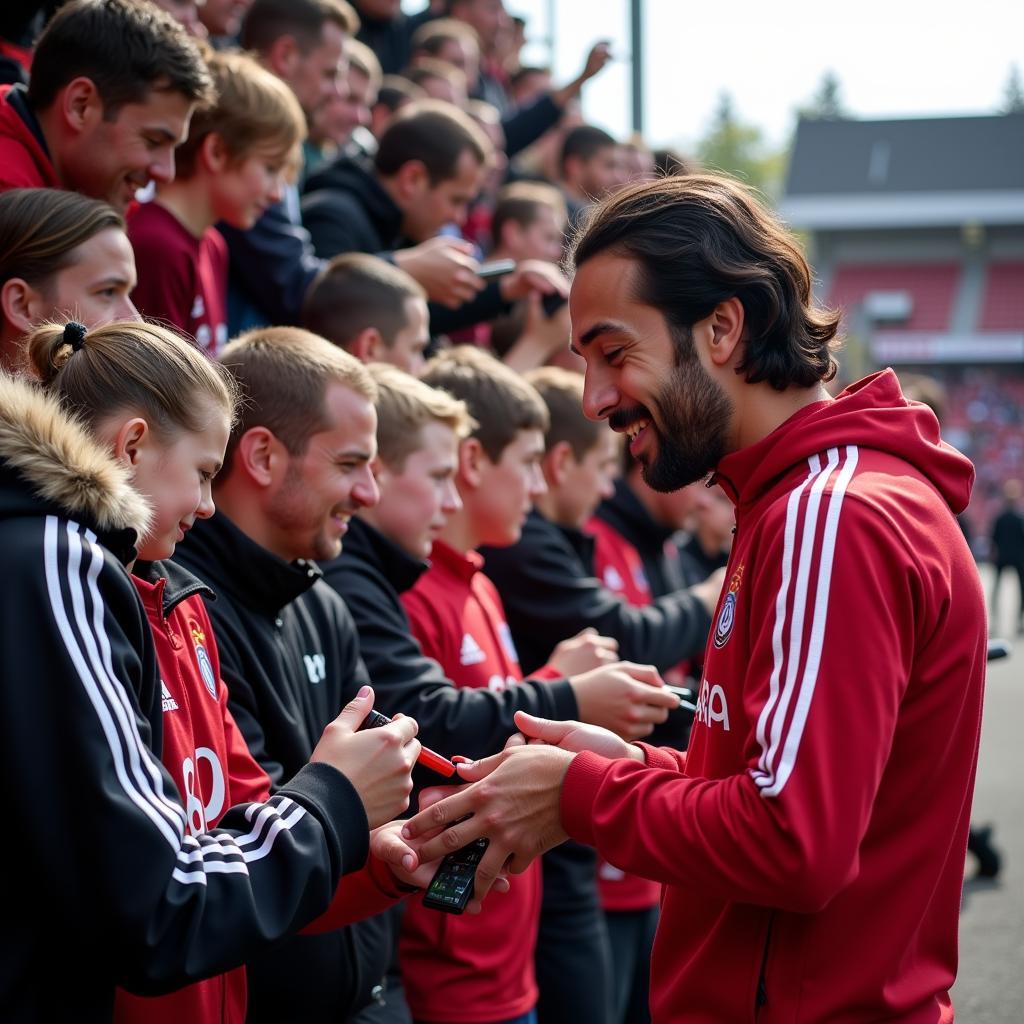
x=893, y=57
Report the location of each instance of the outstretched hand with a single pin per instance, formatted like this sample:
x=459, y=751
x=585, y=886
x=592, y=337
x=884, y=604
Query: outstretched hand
x=388, y=846
x=572, y=736
x=627, y=698
x=600, y=54
x=514, y=802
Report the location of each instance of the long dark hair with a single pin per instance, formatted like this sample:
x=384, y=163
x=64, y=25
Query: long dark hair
x=702, y=239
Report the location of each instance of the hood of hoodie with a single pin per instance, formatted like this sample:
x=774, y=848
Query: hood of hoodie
x=871, y=414
x=66, y=471
x=365, y=543
x=626, y=514
x=357, y=178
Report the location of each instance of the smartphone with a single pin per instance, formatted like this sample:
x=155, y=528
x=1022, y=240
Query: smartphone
x=496, y=268
x=451, y=888
x=552, y=303
x=686, y=697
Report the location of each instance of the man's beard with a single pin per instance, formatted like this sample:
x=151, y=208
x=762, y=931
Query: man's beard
x=293, y=511
x=691, y=435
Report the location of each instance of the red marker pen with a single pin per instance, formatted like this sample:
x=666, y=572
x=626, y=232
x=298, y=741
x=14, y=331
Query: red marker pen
x=428, y=758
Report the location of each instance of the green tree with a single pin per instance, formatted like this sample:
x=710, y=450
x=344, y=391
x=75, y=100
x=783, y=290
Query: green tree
x=1013, y=93
x=739, y=148
x=827, y=102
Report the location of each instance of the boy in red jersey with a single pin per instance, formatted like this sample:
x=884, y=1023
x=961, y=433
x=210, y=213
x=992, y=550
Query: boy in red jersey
x=457, y=613
x=231, y=168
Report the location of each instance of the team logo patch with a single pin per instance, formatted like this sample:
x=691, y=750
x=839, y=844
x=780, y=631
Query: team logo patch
x=202, y=658
x=727, y=616
x=507, y=643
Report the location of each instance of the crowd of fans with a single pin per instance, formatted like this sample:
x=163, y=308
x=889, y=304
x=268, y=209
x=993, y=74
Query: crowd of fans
x=981, y=414
x=330, y=185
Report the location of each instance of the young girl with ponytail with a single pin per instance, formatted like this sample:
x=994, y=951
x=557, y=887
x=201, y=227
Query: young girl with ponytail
x=139, y=888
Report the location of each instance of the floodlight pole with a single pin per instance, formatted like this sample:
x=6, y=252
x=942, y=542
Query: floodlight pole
x=636, y=28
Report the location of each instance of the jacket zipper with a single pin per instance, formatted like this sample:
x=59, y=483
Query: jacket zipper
x=761, y=997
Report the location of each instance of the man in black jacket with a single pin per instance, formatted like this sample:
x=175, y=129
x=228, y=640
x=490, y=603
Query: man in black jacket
x=428, y=167
x=296, y=469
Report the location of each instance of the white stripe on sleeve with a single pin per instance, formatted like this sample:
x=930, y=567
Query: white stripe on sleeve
x=778, y=740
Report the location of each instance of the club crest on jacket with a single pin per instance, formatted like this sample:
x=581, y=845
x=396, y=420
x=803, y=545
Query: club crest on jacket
x=202, y=658
x=727, y=616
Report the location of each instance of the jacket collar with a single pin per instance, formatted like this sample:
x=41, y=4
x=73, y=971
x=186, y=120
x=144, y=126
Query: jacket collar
x=173, y=582
x=17, y=98
x=871, y=414
x=581, y=543
x=365, y=543
x=49, y=463
x=252, y=575
x=626, y=513
x=358, y=177
x=463, y=566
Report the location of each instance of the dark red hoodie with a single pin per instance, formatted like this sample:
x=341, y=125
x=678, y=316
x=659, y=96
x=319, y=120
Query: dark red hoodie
x=24, y=161
x=812, y=842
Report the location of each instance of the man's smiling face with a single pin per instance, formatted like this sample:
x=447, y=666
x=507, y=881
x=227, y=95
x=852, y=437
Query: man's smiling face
x=645, y=379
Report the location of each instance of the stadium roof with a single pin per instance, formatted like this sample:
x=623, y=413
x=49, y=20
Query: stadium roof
x=924, y=172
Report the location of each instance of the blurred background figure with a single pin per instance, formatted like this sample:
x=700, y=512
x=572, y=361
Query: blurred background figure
x=187, y=12
x=222, y=20
x=590, y=168
x=1008, y=548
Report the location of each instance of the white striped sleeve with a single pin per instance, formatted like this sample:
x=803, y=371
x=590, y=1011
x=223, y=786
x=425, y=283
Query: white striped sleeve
x=812, y=520
x=72, y=580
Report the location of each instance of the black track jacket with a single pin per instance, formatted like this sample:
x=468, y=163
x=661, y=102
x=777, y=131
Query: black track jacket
x=547, y=584
x=370, y=574
x=289, y=655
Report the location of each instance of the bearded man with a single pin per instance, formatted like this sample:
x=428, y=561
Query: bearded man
x=812, y=839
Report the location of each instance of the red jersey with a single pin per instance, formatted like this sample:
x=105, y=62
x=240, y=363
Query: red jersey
x=183, y=280
x=213, y=769
x=812, y=841
x=24, y=161
x=207, y=756
x=619, y=567
x=469, y=968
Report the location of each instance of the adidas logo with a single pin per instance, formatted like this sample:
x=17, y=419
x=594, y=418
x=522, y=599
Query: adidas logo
x=169, y=703
x=471, y=653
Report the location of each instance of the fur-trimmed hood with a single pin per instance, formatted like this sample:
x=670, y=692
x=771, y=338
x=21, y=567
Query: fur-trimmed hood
x=65, y=469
